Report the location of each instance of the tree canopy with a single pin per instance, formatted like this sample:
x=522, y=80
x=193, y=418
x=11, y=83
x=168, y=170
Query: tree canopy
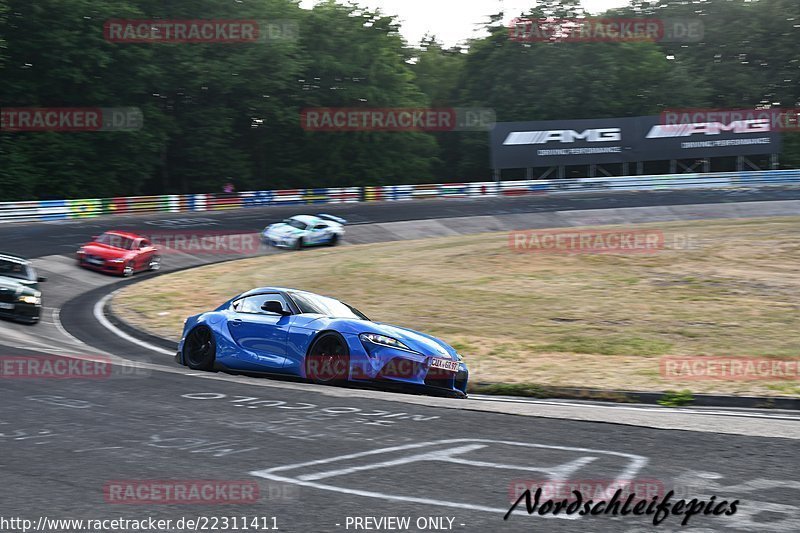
x=219, y=112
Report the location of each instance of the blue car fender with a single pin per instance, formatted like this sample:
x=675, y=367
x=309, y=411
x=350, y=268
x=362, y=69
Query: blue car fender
x=299, y=341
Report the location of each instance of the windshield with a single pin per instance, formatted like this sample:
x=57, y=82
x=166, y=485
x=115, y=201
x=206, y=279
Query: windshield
x=295, y=223
x=321, y=305
x=115, y=241
x=17, y=270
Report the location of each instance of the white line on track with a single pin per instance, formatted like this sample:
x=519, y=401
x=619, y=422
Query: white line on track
x=99, y=315
x=26, y=341
x=636, y=463
x=60, y=327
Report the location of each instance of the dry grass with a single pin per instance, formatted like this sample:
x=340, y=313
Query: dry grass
x=572, y=320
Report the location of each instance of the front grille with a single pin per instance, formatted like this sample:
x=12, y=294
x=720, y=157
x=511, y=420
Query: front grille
x=400, y=368
x=438, y=377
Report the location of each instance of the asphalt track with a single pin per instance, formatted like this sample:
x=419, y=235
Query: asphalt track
x=323, y=454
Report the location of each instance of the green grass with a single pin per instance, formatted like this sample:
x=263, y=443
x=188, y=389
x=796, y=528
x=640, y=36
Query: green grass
x=610, y=345
x=676, y=398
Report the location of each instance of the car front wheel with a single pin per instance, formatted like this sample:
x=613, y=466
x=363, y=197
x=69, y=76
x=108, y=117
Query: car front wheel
x=328, y=360
x=200, y=349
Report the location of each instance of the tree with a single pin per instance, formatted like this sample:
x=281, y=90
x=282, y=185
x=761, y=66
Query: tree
x=357, y=58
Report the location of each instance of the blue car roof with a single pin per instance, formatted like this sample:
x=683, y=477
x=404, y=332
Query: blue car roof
x=267, y=289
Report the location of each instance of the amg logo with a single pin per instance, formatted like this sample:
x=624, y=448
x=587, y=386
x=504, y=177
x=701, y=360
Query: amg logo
x=668, y=131
x=563, y=136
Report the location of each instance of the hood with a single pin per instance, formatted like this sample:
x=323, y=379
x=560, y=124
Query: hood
x=419, y=342
x=105, y=251
x=282, y=229
x=17, y=287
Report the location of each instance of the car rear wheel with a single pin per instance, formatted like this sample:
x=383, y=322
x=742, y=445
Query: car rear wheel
x=200, y=349
x=128, y=270
x=334, y=240
x=328, y=360
x=155, y=263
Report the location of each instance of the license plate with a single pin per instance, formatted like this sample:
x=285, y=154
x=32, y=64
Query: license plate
x=445, y=364
x=6, y=306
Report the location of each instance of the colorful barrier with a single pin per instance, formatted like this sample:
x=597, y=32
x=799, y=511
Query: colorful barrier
x=454, y=190
x=56, y=210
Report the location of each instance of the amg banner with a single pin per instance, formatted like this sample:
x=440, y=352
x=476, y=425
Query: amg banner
x=620, y=140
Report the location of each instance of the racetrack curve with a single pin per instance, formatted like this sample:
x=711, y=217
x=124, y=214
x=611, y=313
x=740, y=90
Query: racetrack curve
x=64, y=440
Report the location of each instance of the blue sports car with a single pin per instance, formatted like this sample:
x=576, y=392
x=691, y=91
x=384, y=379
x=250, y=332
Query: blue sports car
x=297, y=333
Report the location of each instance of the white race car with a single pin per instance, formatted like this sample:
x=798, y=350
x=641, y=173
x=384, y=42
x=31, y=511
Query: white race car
x=304, y=230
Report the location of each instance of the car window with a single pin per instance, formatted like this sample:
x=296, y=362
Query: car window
x=322, y=305
x=320, y=226
x=295, y=223
x=144, y=244
x=15, y=269
x=252, y=304
x=116, y=241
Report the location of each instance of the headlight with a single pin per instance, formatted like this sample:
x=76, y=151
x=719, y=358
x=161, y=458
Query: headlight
x=33, y=300
x=383, y=340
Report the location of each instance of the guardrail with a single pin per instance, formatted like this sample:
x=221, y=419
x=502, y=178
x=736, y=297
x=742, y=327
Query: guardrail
x=49, y=210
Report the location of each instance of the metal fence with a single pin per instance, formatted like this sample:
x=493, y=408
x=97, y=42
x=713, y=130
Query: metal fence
x=48, y=210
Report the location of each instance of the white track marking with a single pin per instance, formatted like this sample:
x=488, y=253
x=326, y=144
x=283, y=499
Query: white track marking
x=99, y=308
x=60, y=327
x=27, y=342
x=636, y=463
x=439, y=455
x=561, y=472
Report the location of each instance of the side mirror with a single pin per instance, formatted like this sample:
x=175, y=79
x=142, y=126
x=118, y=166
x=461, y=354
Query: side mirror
x=274, y=306
x=41, y=279
x=94, y=237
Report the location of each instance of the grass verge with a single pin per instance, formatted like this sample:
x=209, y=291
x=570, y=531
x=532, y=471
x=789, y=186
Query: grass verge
x=718, y=288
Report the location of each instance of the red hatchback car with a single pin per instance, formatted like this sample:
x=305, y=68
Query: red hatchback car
x=120, y=253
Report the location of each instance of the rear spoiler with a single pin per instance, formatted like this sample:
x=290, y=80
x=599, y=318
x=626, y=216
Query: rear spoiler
x=333, y=218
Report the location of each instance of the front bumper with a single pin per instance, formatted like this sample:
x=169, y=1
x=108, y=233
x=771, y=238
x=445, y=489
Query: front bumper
x=278, y=241
x=404, y=368
x=106, y=266
x=423, y=375
x=23, y=312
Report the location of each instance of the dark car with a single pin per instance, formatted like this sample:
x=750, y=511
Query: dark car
x=20, y=298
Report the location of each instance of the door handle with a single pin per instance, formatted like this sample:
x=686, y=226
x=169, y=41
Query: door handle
x=236, y=322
